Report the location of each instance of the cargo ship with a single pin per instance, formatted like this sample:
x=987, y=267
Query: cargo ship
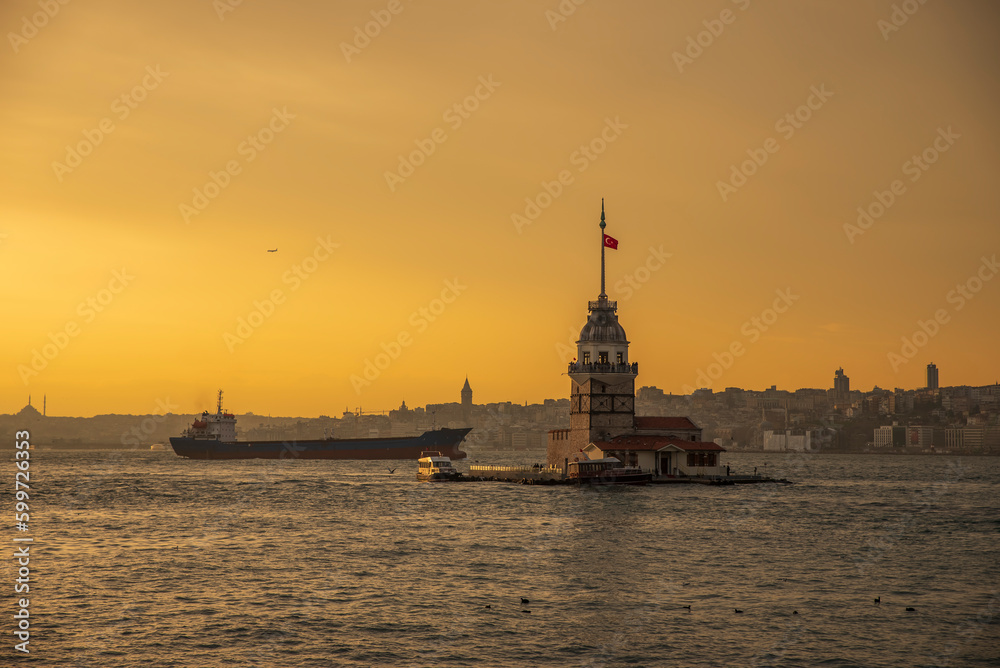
x=213, y=436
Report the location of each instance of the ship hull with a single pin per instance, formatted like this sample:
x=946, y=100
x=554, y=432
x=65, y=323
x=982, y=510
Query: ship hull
x=445, y=441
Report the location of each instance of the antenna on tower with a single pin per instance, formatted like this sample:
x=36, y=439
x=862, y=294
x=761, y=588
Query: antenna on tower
x=603, y=295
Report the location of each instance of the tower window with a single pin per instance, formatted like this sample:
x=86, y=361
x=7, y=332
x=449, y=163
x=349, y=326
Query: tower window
x=586, y=357
x=620, y=359
x=602, y=357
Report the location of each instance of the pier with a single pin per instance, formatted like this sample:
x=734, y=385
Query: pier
x=555, y=475
x=523, y=474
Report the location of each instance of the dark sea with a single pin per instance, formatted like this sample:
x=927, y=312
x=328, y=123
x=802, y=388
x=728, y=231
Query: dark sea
x=146, y=559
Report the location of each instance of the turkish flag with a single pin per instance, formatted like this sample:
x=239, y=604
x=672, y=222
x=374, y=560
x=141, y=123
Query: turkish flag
x=610, y=242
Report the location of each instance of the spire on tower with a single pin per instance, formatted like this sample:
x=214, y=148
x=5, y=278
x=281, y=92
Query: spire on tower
x=602, y=295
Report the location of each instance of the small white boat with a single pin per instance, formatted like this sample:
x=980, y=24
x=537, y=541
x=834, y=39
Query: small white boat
x=435, y=467
x=607, y=471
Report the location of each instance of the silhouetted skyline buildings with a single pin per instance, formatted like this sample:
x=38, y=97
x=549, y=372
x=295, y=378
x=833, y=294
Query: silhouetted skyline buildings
x=839, y=394
x=932, y=377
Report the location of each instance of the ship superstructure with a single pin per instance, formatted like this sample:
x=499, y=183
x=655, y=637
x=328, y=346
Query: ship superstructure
x=220, y=426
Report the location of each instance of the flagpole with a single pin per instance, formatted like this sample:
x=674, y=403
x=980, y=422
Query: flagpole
x=603, y=296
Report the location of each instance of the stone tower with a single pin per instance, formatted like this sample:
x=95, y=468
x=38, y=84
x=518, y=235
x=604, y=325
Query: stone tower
x=602, y=380
x=466, y=400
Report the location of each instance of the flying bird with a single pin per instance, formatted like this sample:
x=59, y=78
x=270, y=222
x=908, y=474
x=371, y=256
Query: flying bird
x=272, y=250
x=391, y=470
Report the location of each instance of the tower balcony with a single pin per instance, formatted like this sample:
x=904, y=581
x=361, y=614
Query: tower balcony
x=598, y=368
x=602, y=303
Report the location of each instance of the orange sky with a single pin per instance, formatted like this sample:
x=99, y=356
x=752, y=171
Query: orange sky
x=115, y=113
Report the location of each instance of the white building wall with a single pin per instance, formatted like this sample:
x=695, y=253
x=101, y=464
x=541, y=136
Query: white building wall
x=787, y=441
x=883, y=437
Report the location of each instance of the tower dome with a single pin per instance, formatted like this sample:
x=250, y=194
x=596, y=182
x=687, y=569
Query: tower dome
x=602, y=326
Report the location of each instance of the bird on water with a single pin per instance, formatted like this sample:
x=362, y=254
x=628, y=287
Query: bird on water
x=878, y=600
x=911, y=609
x=737, y=611
x=524, y=601
x=687, y=607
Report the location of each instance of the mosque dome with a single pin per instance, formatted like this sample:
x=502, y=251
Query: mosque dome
x=29, y=411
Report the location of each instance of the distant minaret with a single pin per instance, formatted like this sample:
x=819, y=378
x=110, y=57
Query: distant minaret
x=44, y=400
x=602, y=387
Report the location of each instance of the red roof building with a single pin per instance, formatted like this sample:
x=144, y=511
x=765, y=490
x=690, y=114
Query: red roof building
x=643, y=423
x=662, y=455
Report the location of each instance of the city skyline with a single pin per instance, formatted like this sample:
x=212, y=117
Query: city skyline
x=168, y=406
x=436, y=217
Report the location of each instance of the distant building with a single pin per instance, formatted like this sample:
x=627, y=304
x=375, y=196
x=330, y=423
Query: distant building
x=954, y=438
x=987, y=397
x=519, y=440
x=791, y=440
x=892, y=436
x=932, y=377
x=661, y=454
x=977, y=439
x=920, y=436
x=29, y=411
x=956, y=399
x=771, y=398
x=703, y=395
x=841, y=389
x=649, y=393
